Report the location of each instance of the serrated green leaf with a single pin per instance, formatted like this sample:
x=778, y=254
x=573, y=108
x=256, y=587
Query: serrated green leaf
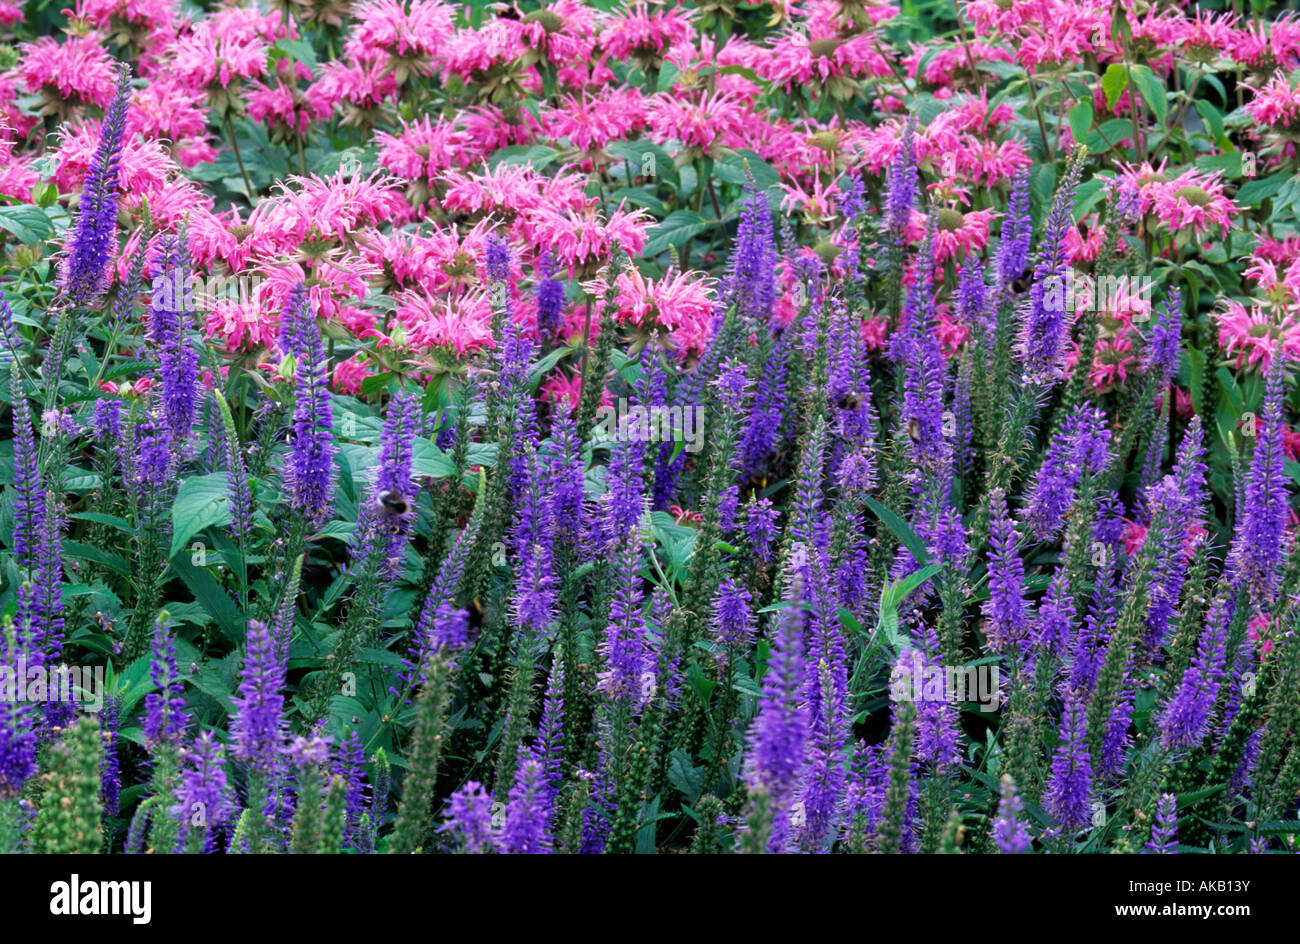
x=1213, y=119
x=201, y=502
x=99, y=517
x=1081, y=121
x=114, y=562
x=674, y=231
x=29, y=224
x=1255, y=192
x=1113, y=83
x=216, y=601
x=685, y=776
x=536, y=156
x=1152, y=90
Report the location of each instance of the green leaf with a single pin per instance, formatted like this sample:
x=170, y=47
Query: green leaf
x=29, y=224
x=209, y=680
x=46, y=194
x=896, y=593
x=900, y=529
x=703, y=685
x=1044, y=187
x=1102, y=139
x=1213, y=119
x=1195, y=381
x=1081, y=121
x=1153, y=91
x=376, y=383
x=114, y=562
x=537, y=156
x=1089, y=195
x=1255, y=192
x=1229, y=163
x=201, y=502
x=685, y=776
x=676, y=228
x=1113, y=83
x=98, y=517
x=889, y=625
x=541, y=368
x=300, y=49
x=649, y=161
x=211, y=597
x=732, y=170
x=639, y=198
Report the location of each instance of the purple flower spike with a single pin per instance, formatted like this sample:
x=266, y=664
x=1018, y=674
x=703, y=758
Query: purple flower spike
x=1069, y=790
x=309, y=472
x=258, y=728
x=92, y=235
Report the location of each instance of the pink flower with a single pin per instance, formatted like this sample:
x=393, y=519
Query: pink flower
x=959, y=233
x=947, y=62
x=991, y=163
x=643, y=31
x=167, y=110
x=1207, y=35
x=1255, y=335
x=243, y=325
x=565, y=390
x=583, y=238
x=1291, y=443
x=225, y=47
x=1085, y=246
x=875, y=332
x=147, y=170
x=510, y=190
x=459, y=324
x=818, y=203
x=471, y=54
x=680, y=303
x=1261, y=44
x=17, y=178
x=407, y=35
x=1193, y=201
x=311, y=211
x=592, y=122
x=952, y=333
x=562, y=33
x=78, y=70
x=283, y=109
x=1258, y=630
x=1114, y=361
x=349, y=374
x=707, y=124
x=362, y=85
x=1275, y=103
x=336, y=284
x=1182, y=403
x=424, y=149
x=128, y=389
x=1135, y=535
x=684, y=515
x=815, y=58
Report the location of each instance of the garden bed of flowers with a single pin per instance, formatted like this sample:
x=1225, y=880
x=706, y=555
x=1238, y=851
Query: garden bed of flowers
x=630, y=427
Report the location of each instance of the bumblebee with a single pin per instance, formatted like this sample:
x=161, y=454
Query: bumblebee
x=849, y=401
x=392, y=503
x=1021, y=283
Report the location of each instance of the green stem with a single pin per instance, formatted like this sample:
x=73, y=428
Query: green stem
x=239, y=159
